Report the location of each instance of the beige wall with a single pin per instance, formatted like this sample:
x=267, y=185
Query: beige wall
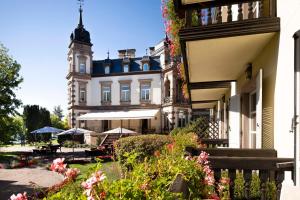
x=266, y=60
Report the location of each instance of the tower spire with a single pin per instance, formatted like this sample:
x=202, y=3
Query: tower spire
x=80, y=11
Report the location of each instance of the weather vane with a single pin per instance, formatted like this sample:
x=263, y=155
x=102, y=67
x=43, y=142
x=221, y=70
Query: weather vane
x=80, y=3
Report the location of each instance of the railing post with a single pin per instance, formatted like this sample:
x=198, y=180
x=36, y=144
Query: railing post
x=209, y=20
x=229, y=13
x=219, y=14
x=250, y=9
x=240, y=12
x=188, y=18
x=273, y=8
x=247, y=176
x=278, y=180
x=263, y=175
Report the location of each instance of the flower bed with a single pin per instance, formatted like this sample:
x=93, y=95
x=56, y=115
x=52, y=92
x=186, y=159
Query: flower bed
x=151, y=177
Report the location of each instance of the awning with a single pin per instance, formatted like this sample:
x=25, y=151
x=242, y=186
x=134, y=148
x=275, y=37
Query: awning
x=120, y=115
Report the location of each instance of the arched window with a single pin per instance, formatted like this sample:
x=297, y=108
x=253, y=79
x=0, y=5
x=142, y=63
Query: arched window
x=167, y=88
x=146, y=67
x=126, y=68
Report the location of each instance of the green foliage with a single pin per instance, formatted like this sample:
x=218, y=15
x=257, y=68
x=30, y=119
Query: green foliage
x=71, y=191
x=9, y=83
x=239, y=183
x=271, y=190
x=192, y=127
x=75, y=144
x=36, y=117
x=144, y=144
x=11, y=128
x=57, y=122
x=255, y=187
x=57, y=111
x=151, y=179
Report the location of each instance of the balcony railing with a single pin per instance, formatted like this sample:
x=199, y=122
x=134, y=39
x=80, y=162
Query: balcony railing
x=248, y=162
x=224, y=11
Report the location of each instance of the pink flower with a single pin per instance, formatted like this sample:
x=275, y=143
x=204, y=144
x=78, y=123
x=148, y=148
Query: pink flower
x=89, y=183
x=58, y=165
x=202, y=158
x=224, y=180
x=19, y=196
x=209, y=179
x=72, y=173
x=207, y=170
x=188, y=158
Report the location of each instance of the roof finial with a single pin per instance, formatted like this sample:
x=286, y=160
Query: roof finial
x=80, y=11
x=146, y=52
x=108, y=54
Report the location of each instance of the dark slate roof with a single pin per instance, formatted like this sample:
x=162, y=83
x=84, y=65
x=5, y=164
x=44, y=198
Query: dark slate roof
x=116, y=65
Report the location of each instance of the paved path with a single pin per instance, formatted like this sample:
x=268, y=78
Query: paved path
x=29, y=148
x=18, y=180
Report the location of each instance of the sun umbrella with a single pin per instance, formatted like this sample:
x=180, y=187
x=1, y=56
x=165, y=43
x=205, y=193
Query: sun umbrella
x=74, y=131
x=47, y=129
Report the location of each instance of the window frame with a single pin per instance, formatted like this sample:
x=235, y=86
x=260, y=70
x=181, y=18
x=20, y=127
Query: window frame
x=106, y=67
x=143, y=66
x=82, y=61
x=105, y=84
x=82, y=88
x=122, y=83
x=128, y=68
x=145, y=82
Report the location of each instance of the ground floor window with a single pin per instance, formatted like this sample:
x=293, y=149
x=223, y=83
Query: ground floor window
x=182, y=119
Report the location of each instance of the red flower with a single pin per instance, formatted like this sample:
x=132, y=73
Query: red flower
x=170, y=147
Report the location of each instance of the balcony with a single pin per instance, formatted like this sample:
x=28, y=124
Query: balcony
x=223, y=18
x=219, y=39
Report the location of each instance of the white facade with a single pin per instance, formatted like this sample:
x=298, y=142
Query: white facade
x=87, y=86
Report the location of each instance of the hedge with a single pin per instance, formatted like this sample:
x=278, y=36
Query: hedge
x=144, y=145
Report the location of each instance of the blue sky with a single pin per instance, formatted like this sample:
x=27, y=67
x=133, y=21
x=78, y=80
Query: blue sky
x=37, y=34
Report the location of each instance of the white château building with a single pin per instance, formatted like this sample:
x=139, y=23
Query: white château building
x=146, y=90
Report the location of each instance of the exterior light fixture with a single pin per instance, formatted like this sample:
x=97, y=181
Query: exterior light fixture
x=248, y=71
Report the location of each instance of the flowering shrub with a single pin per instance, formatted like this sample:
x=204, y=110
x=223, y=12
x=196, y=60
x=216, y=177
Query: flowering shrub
x=223, y=188
x=58, y=165
x=19, y=196
x=92, y=186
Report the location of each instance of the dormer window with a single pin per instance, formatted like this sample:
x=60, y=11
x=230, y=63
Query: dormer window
x=107, y=69
x=146, y=67
x=126, y=68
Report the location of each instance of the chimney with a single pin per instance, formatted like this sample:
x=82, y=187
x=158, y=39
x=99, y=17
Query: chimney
x=131, y=53
x=151, y=49
x=122, y=53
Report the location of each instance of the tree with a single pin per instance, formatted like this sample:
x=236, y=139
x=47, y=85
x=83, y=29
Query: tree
x=56, y=122
x=10, y=80
x=58, y=112
x=35, y=117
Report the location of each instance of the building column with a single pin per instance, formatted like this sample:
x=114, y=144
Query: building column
x=234, y=118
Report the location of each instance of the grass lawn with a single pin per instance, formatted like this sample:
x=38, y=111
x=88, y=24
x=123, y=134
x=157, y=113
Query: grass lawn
x=112, y=170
